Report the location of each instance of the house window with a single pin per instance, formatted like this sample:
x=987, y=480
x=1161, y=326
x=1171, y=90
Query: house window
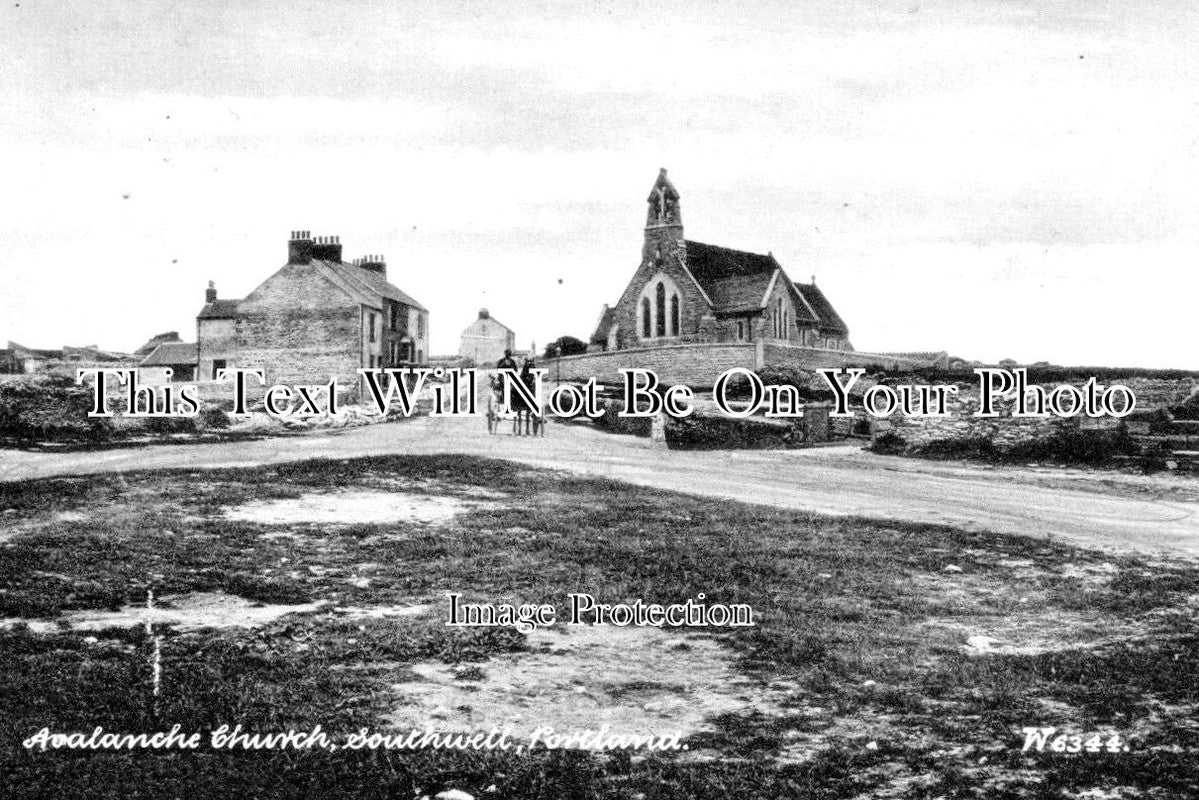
x=420, y=326
x=372, y=325
x=420, y=357
x=660, y=309
x=740, y=330
x=645, y=318
x=674, y=315
x=218, y=364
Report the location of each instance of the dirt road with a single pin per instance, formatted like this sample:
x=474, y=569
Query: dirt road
x=1122, y=513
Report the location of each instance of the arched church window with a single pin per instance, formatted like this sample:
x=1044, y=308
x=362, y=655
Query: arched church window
x=674, y=315
x=645, y=318
x=660, y=308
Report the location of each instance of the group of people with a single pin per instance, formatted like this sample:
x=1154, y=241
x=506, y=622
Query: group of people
x=527, y=417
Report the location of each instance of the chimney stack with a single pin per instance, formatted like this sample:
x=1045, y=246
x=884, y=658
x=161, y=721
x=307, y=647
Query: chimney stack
x=327, y=248
x=299, y=247
x=374, y=263
x=210, y=294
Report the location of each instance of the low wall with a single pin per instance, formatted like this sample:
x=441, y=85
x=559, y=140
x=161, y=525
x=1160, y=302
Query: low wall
x=790, y=355
x=1003, y=432
x=700, y=364
x=690, y=364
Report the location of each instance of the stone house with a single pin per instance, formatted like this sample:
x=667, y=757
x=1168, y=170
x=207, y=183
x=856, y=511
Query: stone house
x=689, y=292
x=485, y=340
x=316, y=318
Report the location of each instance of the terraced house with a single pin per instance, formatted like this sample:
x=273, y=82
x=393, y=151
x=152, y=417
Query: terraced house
x=316, y=318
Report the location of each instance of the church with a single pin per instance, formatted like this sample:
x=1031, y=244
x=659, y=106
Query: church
x=688, y=292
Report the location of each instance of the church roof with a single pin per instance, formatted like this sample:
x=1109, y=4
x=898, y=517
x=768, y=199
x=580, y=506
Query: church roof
x=709, y=263
x=604, y=326
x=737, y=280
x=829, y=319
x=734, y=280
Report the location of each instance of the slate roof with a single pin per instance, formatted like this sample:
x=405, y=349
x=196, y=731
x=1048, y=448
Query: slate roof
x=734, y=280
x=709, y=263
x=171, y=353
x=370, y=281
x=604, y=327
x=830, y=320
x=485, y=316
x=162, y=338
x=219, y=309
x=737, y=280
x=363, y=285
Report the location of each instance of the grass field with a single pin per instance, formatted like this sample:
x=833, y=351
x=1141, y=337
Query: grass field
x=889, y=660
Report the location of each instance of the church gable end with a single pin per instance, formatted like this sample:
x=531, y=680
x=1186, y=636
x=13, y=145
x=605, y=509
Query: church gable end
x=663, y=303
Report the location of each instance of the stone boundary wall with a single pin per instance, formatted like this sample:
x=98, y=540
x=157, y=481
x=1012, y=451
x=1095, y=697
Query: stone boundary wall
x=691, y=364
x=789, y=355
x=700, y=364
x=1006, y=431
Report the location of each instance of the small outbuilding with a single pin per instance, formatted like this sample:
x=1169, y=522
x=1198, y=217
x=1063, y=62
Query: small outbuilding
x=180, y=357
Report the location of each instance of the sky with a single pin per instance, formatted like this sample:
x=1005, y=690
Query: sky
x=994, y=179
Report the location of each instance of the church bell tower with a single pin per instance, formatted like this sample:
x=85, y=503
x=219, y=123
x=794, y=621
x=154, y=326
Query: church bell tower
x=663, y=220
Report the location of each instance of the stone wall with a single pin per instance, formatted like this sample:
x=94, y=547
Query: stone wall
x=700, y=364
x=1005, y=431
x=302, y=347
x=662, y=255
x=691, y=364
x=301, y=328
x=781, y=353
x=217, y=340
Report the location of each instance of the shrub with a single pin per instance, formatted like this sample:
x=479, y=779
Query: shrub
x=214, y=417
x=713, y=432
x=777, y=375
x=972, y=447
x=1072, y=446
x=1188, y=409
x=49, y=408
x=565, y=346
x=168, y=425
x=609, y=421
x=889, y=444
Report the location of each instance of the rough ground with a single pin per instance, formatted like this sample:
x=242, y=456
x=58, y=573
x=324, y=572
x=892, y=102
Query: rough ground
x=1125, y=513
x=889, y=659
